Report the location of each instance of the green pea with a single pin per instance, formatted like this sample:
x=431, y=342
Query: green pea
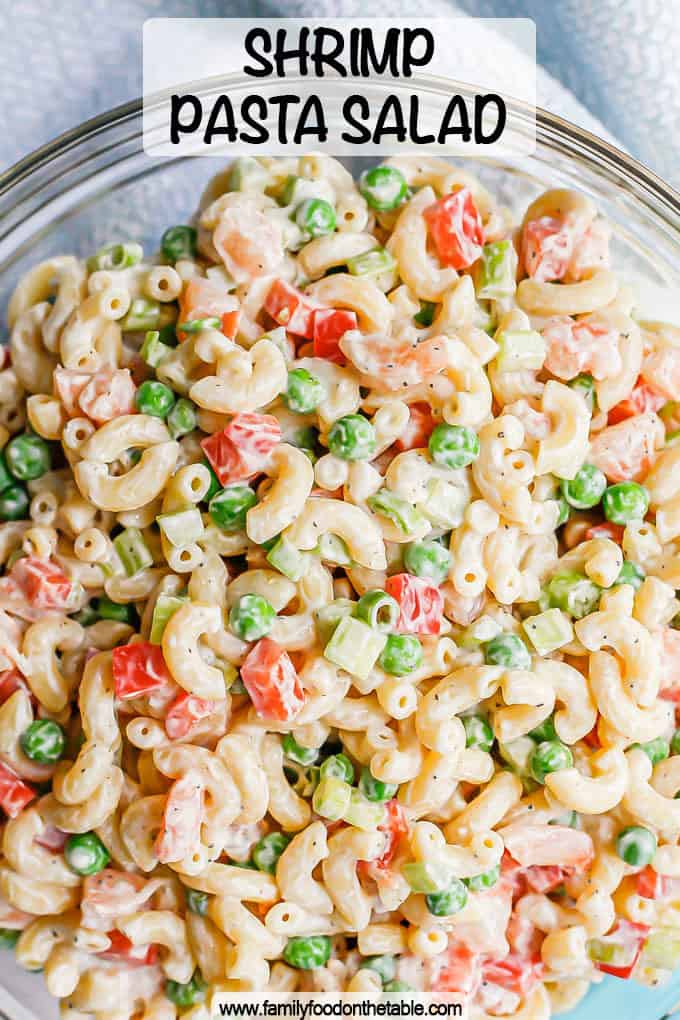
x=401, y=655
x=550, y=756
x=453, y=446
x=43, y=741
x=585, y=385
x=181, y=418
x=631, y=574
x=315, y=217
x=564, y=511
x=267, y=851
x=27, y=457
x=189, y=994
x=624, y=502
x=106, y=609
x=544, y=731
x=478, y=732
x=636, y=845
x=6, y=478
x=675, y=743
x=487, y=880
x=178, y=243
x=14, y=503
x=154, y=398
x=425, y=317
x=252, y=617
x=398, y=986
x=383, y=187
x=86, y=854
x=296, y=752
x=197, y=902
x=573, y=593
x=374, y=789
x=352, y=438
x=307, y=952
x=8, y=938
x=338, y=766
x=428, y=559
x=451, y=901
x=656, y=750
x=507, y=650
x=385, y=966
x=304, y=391
x=215, y=484
x=229, y=507
x=378, y=609
x=586, y=489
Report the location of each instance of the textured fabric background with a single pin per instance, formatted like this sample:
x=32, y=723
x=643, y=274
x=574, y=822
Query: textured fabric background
x=603, y=62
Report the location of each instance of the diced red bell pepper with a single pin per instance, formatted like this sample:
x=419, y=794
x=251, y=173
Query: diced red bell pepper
x=641, y=399
x=52, y=838
x=185, y=711
x=290, y=308
x=15, y=794
x=515, y=973
x=241, y=450
x=651, y=885
x=460, y=971
x=421, y=604
x=11, y=681
x=606, y=530
x=592, y=739
x=631, y=937
x=139, y=669
x=121, y=948
x=547, y=248
x=43, y=583
x=418, y=429
x=328, y=328
x=543, y=878
x=456, y=229
x=272, y=682
x=395, y=827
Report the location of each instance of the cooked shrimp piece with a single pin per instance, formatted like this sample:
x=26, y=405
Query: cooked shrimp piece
x=248, y=242
x=583, y=345
x=548, y=844
x=627, y=451
x=181, y=826
x=204, y=299
x=591, y=252
x=111, y=893
x=386, y=363
x=661, y=371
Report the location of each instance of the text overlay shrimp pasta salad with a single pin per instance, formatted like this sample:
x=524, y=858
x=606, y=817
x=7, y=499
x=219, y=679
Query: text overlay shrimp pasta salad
x=339, y=639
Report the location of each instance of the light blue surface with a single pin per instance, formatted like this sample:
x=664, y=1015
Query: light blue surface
x=610, y=62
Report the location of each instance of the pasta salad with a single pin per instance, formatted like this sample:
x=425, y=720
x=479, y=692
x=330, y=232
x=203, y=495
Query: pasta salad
x=339, y=639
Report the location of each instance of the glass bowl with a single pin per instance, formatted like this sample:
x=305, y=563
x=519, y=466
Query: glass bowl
x=95, y=184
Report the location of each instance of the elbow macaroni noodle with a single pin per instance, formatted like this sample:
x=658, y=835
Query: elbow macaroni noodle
x=338, y=619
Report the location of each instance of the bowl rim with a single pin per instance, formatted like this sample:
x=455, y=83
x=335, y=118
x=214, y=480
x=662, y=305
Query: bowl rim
x=547, y=125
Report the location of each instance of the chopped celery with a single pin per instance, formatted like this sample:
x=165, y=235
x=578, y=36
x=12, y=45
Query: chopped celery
x=132, y=551
x=116, y=256
x=288, y=560
x=246, y=174
x=333, y=549
x=548, y=631
x=182, y=527
x=402, y=513
x=426, y=876
x=355, y=647
x=478, y=633
x=144, y=314
x=166, y=606
x=371, y=263
x=498, y=267
x=662, y=949
x=517, y=754
x=328, y=617
x=153, y=350
x=445, y=503
x=362, y=813
x=332, y=798
x=519, y=349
